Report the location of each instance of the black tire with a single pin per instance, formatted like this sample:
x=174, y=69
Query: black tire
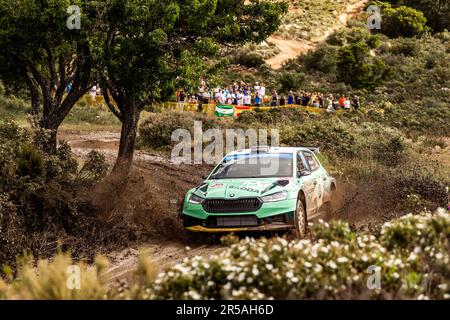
x=300, y=219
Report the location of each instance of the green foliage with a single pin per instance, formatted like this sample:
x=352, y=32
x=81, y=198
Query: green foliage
x=403, y=22
x=412, y=254
x=330, y=135
x=165, y=46
x=38, y=191
x=333, y=265
x=357, y=68
x=29, y=162
x=249, y=59
x=324, y=59
x=94, y=169
x=291, y=81
x=436, y=11
x=156, y=131
x=391, y=152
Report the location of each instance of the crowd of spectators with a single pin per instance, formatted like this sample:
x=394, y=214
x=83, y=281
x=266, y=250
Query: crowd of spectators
x=240, y=93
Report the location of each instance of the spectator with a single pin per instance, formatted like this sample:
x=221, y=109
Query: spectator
x=346, y=103
x=305, y=99
x=257, y=99
x=240, y=98
x=335, y=103
x=206, y=97
x=234, y=98
x=181, y=100
x=257, y=89
x=342, y=102
x=329, y=102
x=282, y=101
x=355, y=102
x=321, y=102
x=298, y=100
x=290, y=98
x=218, y=96
x=248, y=99
x=262, y=91
x=274, y=99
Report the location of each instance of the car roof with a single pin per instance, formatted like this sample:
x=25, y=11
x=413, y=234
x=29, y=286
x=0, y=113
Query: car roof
x=275, y=150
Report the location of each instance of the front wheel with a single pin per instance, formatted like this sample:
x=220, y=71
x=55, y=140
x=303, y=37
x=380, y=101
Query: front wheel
x=300, y=219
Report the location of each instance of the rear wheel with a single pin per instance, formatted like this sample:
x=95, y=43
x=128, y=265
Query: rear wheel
x=300, y=219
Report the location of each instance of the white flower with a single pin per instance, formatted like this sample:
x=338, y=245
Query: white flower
x=269, y=266
x=342, y=259
x=318, y=268
x=412, y=257
x=365, y=258
x=289, y=274
x=241, y=277
x=276, y=247
x=332, y=264
x=439, y=256
x=443, y=286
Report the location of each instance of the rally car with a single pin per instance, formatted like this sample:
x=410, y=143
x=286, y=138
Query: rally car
x=260, y=189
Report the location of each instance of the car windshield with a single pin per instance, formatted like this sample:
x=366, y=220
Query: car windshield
x=255, y=165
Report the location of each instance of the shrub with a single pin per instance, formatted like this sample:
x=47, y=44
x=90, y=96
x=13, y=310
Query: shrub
x=291, y=81
x=324, y=59
x=403, y=22
x=357, y=68
x=93, y=170
x=249, y=59
x=156, y=131
x=411, y=254
x=391, y=152
x=50, y=280
x=321, y=268
x=29, y=162
x=330, y=135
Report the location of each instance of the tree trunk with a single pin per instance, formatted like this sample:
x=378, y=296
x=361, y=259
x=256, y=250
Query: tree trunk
x=127, y=141
x=50, y=144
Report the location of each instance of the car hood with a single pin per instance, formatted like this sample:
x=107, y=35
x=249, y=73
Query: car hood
x=242, y=188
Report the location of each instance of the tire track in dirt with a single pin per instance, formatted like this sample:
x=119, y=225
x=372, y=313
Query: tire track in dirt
x=290, y=49
x=165, y=178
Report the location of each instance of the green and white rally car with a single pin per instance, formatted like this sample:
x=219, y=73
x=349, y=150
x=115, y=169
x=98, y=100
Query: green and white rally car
x=260, y=189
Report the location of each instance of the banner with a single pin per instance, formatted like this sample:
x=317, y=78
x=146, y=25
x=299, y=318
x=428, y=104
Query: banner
x=224, y=111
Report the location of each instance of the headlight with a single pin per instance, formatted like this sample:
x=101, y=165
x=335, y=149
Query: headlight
x=195, y=199
x=279, y=196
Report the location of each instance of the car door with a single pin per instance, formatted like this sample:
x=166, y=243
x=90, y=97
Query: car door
x=316, y=190
x=307, y=182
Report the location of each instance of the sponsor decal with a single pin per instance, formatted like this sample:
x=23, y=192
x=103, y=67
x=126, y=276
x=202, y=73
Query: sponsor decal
x=216, y=185
x=244, y=189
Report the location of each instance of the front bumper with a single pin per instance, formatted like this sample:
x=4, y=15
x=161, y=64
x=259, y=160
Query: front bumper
x=199, y=228
x=269, y=217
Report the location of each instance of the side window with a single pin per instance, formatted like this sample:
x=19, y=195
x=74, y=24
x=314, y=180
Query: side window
x=300, y=164
x=311, y=160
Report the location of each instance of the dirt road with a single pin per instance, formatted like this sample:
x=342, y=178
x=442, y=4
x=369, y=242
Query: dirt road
x=152, y=199
x=155, y=194
x=290, y=49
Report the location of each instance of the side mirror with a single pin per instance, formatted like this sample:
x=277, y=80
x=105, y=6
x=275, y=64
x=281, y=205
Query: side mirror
x=303, y=173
